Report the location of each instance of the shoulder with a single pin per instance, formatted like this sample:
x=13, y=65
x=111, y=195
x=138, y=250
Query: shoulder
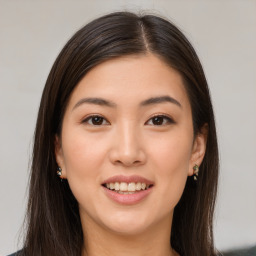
x=18, y=253
x=243, y=252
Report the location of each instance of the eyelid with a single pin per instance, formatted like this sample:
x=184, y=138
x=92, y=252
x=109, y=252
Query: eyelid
x=169, y=119
x=87, y=118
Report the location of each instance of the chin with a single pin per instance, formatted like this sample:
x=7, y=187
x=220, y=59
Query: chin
x=128, y=224
x=127, y=229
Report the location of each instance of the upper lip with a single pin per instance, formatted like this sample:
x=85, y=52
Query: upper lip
x=128, y=179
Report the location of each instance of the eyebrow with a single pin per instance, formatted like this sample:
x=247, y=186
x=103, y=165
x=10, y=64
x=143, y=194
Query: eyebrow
x=160, y=99
x=95, y=101
x=150, y=101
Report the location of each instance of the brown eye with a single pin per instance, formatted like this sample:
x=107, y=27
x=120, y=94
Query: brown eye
x=160, y=120
x=95, y=120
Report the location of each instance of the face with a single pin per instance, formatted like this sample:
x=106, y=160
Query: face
x=127, y=144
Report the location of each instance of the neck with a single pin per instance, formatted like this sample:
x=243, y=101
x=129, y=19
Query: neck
x=101, y=241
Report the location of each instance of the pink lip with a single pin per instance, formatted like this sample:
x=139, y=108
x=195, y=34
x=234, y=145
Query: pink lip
x=127, y=199
x=128, y=179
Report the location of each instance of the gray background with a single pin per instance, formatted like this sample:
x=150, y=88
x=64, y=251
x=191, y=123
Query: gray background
x=224, y=35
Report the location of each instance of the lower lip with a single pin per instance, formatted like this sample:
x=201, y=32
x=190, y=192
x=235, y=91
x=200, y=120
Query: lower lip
x=127, y=199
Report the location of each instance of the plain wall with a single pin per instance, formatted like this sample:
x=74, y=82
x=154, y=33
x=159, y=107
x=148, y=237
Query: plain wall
x=224, y=34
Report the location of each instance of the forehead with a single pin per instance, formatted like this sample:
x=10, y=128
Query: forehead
x=128, y=80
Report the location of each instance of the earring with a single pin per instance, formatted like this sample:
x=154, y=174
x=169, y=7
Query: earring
x=59, y=172
x=195, y=171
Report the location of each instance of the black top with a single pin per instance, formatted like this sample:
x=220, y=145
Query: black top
x=246, y=252
x=15, y=254
x=243, y=252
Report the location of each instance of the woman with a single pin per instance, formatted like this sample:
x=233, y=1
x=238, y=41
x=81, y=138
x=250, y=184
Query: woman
x=125, y=158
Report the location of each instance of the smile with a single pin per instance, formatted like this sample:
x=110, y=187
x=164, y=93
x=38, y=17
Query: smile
x=127, y=188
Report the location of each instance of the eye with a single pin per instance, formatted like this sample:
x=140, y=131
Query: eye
x=95, y=120
x=160, y=120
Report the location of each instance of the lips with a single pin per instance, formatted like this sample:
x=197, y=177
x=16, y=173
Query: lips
x=127, y=189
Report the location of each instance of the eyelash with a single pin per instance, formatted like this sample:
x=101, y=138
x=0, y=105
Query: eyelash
x=168, y=120
x=87, y=119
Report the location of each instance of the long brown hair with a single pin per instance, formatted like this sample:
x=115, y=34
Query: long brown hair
x=53, y=221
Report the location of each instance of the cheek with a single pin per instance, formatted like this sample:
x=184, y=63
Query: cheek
x=172, y=152
x=83, y=157
x=171, y=158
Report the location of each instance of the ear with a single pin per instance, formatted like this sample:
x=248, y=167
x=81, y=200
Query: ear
x=199, y=148
x=59, y=156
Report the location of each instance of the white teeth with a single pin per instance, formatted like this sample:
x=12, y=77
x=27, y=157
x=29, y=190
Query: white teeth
x=117, y=186
x=131, y=186
x=127, y=188
x=123, y=186
x=125, y=192
x=138, y=186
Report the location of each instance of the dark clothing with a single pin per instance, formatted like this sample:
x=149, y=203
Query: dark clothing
x=243, y=252
x=15, y=254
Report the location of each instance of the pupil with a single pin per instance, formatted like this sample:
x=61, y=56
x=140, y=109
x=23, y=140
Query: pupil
x=97, y=120
x=157, y=120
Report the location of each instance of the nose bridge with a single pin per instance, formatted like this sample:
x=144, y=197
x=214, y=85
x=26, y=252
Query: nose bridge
x=128, y=138
x=128, y=149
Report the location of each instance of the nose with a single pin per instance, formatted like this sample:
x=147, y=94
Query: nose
x=127, y=147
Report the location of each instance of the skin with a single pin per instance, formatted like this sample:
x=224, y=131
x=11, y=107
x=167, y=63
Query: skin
x=128, y=141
